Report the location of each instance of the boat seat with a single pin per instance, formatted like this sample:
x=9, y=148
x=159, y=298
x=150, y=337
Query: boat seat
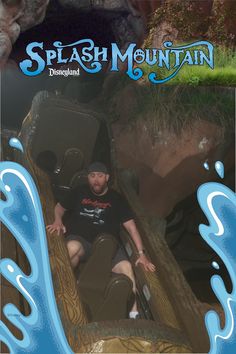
x=72, y=164
x=117, y=299
x=63, y=175
x=106, y=295
x=80, y=179
x=60, y=125
x=63, y=178
x=47, y=161
x=58, y=131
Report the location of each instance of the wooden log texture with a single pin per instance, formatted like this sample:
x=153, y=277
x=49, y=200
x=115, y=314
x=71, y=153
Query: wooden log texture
x=161, y=308
x=10, y=249
x=177, y=301
x=116, y=335
x=131, y=336
x=64, y=281
x=65, y=286
x=9, y=294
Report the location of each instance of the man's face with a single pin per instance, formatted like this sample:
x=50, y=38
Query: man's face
x=98, y=182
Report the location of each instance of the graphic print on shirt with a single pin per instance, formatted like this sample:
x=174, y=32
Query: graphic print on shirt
x=97, y=211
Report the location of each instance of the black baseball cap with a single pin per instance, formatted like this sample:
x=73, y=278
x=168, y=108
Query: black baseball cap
x=97, y=167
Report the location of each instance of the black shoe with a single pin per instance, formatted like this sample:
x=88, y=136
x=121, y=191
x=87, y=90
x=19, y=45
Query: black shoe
x=137, y=317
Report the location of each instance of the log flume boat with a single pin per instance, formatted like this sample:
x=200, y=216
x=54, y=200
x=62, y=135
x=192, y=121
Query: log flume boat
x=60, y=139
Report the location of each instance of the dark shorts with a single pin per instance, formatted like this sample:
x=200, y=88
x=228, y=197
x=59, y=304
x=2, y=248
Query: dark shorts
x=119, y=256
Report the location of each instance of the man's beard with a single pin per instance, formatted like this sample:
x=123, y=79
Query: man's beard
x=98, y=189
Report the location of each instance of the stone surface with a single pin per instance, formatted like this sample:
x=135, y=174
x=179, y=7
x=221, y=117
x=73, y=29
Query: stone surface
x=223, y=19
x=111, y=5
x=9, y=28
x=207, y=19
x=166, y=144
x=34, y=13
x=17, y=16
x=170, y=169
x=164, y=32
x=174, y=19
x=20, y=15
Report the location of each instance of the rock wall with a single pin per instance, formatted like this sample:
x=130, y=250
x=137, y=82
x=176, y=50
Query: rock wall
x=170, y=169
x=168, y=19
x=17, y=16
x=166, y=150
x=185, y=20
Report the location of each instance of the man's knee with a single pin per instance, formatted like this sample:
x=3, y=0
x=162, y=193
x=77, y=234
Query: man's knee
x=75, y=247
x=123, y=267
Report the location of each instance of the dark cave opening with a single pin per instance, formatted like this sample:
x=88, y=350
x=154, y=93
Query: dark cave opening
x=68, y=26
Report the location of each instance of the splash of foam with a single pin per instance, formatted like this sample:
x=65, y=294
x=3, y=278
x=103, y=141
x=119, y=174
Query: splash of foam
x=21, y=213
x=219, y=205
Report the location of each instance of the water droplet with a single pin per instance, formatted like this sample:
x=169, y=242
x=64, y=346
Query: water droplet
x=206, y=166
x=219, y=167
x=215, y=265
x=15, y=143
x=25, y=218
x=8, y=189
x=10, y=268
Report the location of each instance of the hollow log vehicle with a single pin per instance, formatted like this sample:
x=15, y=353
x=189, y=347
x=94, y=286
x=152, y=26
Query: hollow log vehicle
x=94, y=315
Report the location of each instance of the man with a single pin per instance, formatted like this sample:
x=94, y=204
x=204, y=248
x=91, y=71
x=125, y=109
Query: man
x=97, y=209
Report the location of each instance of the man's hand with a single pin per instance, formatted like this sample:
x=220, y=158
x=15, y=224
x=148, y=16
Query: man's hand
x=56, y=226
x=148, y=266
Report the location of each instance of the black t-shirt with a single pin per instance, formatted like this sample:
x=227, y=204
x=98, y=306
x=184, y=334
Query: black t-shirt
x=92, y=214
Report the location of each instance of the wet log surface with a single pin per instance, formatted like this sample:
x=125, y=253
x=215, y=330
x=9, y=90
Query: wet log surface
x=9, y=294
x=174, y=298
x=71, y=309
x=177, y=314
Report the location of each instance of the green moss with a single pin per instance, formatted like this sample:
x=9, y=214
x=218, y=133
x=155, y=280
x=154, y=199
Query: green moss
x=224, y=72
x=174, y=107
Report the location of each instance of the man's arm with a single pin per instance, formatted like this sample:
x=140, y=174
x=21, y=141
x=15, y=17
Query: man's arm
x=57, y=225
x=131, y=227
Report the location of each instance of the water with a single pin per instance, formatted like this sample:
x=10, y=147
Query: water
x=219, y=205
x=215, y=265
x=21, y=213
x=15, y=143
x=206, y=165
x=219, y=168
